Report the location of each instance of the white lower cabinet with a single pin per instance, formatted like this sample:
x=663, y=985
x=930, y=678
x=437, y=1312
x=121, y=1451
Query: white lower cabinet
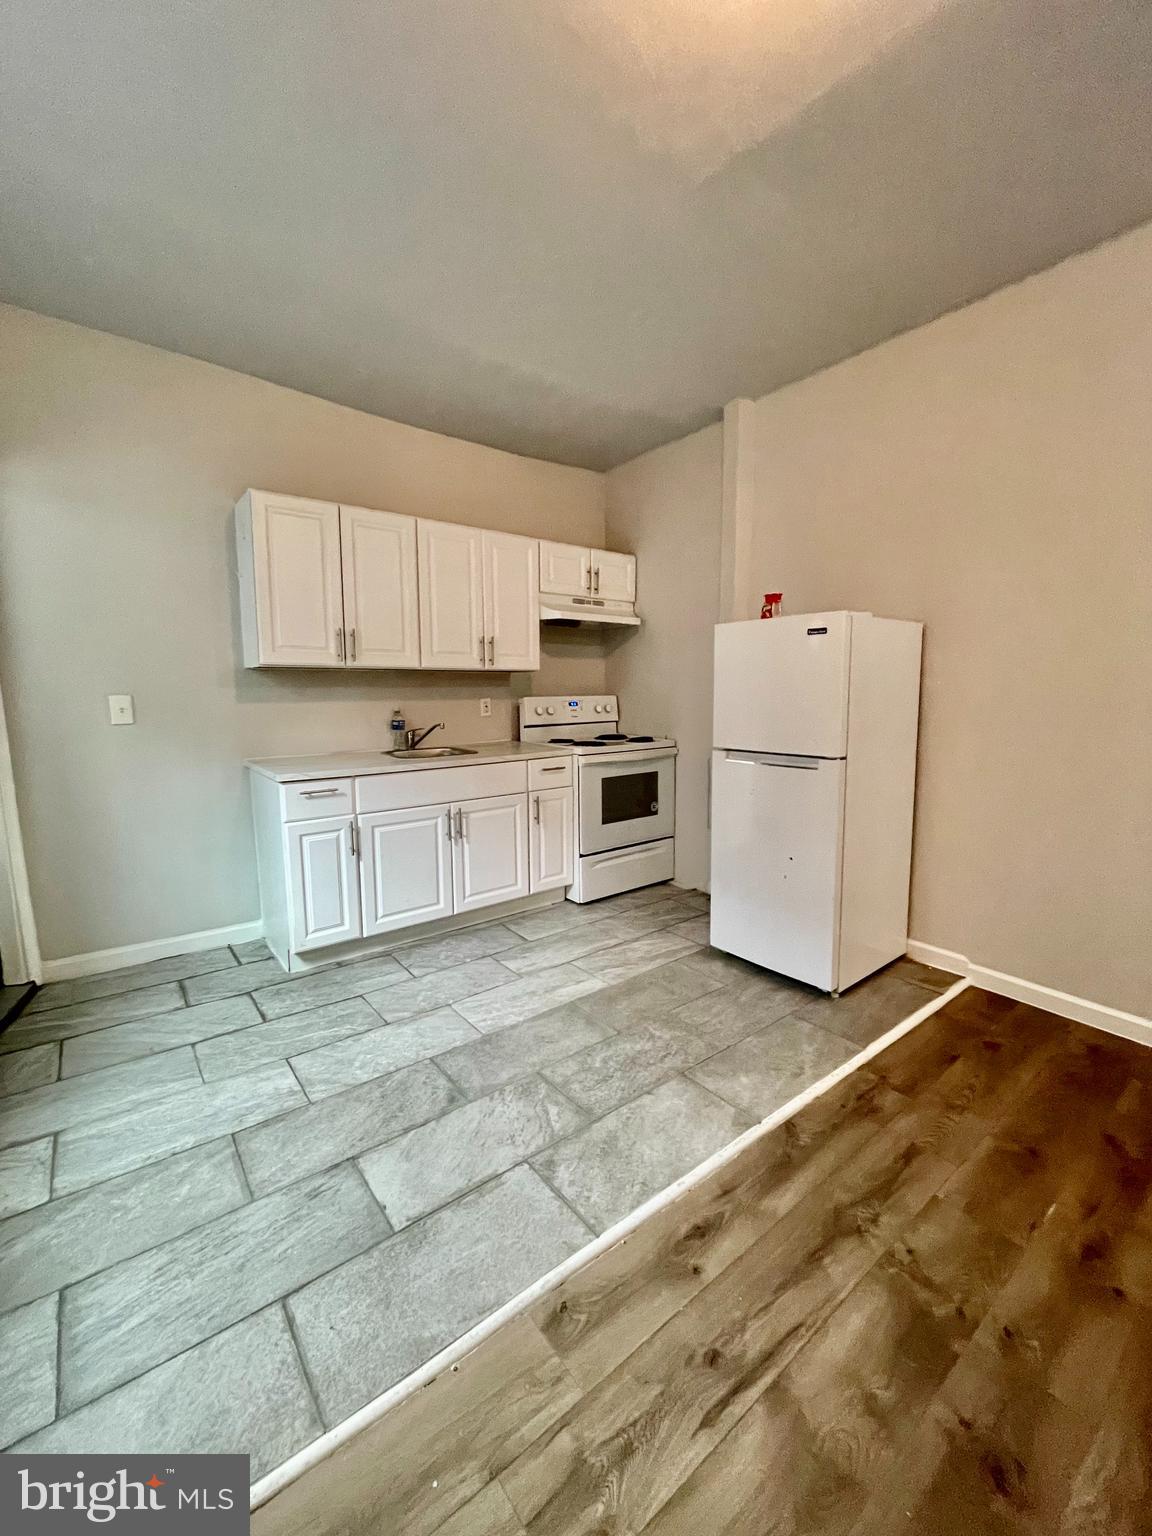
x=550, y=841
x=323, y=882
x=490, y=851
x=387, y=863
x=405, y=867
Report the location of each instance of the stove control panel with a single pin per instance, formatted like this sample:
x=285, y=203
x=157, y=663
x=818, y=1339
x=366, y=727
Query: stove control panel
x=566, y=709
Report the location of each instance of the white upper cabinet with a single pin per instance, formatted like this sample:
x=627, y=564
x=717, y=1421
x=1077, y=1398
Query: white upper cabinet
x=565, y=568
x=381, y=608
x=571, y=570
x=479, y=599
x=288, y=553
x=323, y=585
x=452, y=628
x=512, y=602
x=613, y=575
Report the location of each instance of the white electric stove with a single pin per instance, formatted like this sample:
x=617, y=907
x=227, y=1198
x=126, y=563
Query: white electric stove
x=625, y=792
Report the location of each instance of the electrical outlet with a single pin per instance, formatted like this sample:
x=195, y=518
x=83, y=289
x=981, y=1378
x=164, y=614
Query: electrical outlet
x=485, y=708
x=121, y=710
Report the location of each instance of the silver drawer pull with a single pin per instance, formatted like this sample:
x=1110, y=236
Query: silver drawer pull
x=559, y=768
x=318, y=794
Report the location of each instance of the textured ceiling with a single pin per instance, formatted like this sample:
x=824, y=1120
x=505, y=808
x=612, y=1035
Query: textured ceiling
x=571, y=228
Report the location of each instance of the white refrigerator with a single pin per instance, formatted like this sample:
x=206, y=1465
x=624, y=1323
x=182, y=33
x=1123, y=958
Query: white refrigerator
x=813, y=779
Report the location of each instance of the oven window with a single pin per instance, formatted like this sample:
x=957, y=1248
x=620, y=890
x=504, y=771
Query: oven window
x=629, y=796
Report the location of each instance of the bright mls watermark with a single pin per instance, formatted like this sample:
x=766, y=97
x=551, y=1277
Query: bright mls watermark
x=63, y=1495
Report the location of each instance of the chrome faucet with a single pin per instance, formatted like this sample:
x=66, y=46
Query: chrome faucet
x=413, y=738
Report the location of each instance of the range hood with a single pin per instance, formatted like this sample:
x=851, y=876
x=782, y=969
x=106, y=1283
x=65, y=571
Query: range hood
x=555, y=609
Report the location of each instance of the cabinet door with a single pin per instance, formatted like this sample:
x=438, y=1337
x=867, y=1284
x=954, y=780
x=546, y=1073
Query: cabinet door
x=512, y=601
x=490, y=852
x=324, y=892
x=614, y=575
x=381, y=614
x=295, y=569
x=452, y=632
x=405, y=867
x=565, y=568
x=550, y=841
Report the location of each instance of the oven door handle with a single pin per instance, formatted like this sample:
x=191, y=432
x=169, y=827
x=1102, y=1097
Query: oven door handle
x=614, y=758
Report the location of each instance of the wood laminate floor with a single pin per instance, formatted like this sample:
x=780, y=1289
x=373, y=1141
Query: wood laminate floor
x=922, y=1305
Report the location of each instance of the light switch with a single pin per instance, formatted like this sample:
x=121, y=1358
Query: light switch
x=485, y=707
x=121, y=710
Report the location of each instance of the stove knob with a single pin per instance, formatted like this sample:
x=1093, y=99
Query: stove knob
x=551, y=711
x=539, y=709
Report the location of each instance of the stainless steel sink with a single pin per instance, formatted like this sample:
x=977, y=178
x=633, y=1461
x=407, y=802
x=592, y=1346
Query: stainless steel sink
x=432, y=752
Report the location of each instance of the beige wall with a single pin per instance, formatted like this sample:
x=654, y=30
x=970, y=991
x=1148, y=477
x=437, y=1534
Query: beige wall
x=665, y=507
x=119, y=467
x=991, y=474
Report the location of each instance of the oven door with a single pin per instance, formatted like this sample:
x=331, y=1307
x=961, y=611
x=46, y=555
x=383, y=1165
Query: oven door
x=626, y=798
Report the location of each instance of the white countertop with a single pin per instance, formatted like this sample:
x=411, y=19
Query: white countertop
x=342, y=765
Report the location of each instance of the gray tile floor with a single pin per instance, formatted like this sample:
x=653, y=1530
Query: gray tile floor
x=235, y=1206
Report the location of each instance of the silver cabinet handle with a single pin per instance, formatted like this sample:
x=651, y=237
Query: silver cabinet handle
x=352, y=839
x=460, y=823
x=351, y=645
x=451, y=834
x=480, y=643
x=340, y=643
x=559, y=768
x=491, y=650
x=596, y=580
x=536, y=811
x=588, y=579
x=318, y=794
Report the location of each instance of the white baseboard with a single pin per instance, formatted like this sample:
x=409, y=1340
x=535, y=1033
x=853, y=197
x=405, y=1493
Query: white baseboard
x=101, y=960
x=942, y=959
x=1114, y=1021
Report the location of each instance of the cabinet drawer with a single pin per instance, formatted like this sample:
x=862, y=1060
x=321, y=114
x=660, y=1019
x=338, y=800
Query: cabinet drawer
x=550, y=773
x=317, y=797
x=431, y=786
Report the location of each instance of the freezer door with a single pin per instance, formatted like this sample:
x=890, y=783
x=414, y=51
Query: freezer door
x=782, y=685
x=777, y=826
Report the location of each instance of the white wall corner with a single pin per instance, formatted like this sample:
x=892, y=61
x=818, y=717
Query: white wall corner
x=737, y=507
x=19, y=945
x=1114, y=1021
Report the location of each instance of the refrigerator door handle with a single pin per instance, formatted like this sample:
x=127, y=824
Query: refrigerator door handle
x=774, y=759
